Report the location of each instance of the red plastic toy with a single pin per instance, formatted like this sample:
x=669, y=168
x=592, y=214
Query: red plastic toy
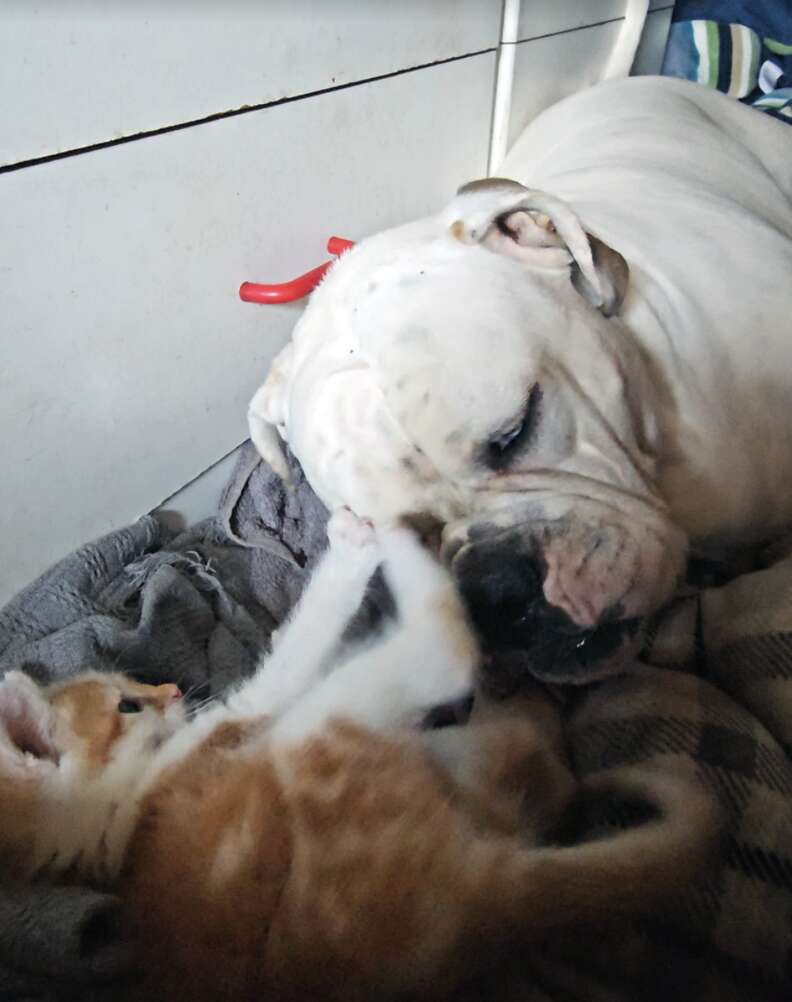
x=287, y=292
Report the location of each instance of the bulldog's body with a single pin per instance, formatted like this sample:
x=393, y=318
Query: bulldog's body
x=695, y=191
x=572, y=426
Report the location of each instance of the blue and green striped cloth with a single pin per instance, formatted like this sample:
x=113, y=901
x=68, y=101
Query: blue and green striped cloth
x=740, y=47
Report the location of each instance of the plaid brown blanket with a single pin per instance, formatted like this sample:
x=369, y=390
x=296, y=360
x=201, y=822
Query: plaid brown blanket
x=715, y=696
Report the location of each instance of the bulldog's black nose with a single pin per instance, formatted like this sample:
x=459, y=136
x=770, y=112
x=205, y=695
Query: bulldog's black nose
x=503, y=590
x=501, y=583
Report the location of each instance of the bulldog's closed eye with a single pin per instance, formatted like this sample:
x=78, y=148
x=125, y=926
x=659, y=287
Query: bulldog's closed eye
x=511, y=439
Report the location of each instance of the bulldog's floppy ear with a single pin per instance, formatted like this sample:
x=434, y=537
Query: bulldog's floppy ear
x=267, y=415
x=531, y=225
x=613, y=273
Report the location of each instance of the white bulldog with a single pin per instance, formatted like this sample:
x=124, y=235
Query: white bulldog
x=579, y=374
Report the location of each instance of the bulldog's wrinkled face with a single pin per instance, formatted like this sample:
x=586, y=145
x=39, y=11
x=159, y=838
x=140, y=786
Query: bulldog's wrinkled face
x=472, y=365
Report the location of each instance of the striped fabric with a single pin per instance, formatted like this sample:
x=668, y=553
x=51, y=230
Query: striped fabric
x=724, y=56
x=735, y=47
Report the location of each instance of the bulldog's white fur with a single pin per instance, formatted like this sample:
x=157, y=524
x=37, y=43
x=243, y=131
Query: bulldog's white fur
x=659, y=400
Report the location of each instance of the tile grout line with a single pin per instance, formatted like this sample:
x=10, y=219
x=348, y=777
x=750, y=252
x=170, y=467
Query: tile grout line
x=233, y=113
x=568, y=31
x=582, y=27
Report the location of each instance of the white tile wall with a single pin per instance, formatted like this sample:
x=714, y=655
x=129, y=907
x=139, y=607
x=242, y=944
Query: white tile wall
x=565, y=46
x=127, y=359
x=549, y=68
x=649, y=58
x=540, y=17
x=86, y=71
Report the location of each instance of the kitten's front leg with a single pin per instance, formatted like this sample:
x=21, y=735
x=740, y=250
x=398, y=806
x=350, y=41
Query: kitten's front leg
x=314, y=630
x=428, y=658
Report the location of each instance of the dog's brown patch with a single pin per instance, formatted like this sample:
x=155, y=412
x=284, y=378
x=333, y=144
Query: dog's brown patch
x=457, y=230
x=487, y=183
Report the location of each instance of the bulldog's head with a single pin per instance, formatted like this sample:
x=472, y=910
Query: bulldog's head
x=472, y=365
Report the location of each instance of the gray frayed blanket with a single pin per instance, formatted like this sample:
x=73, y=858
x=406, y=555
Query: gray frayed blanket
x=198, y=609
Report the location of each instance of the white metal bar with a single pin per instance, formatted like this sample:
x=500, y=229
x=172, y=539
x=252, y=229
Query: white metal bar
x=623, y=55
x=504, y=79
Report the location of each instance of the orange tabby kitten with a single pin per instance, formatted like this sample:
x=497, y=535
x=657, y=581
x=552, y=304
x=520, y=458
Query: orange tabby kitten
x=303, y=841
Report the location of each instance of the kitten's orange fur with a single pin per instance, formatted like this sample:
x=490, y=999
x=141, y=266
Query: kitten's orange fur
x=356, y=866
x=88, y=708
x=342, y=861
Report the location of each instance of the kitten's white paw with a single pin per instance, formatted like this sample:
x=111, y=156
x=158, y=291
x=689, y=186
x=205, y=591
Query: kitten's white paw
x=346, y=530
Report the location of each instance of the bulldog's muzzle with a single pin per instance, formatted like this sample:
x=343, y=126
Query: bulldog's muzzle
x=502, y=584
x=563, y=598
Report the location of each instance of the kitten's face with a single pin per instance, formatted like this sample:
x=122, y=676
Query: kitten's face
x=89, y=720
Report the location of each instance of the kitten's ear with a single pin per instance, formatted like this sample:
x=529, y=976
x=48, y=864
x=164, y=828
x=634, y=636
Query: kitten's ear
x=26, y=717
